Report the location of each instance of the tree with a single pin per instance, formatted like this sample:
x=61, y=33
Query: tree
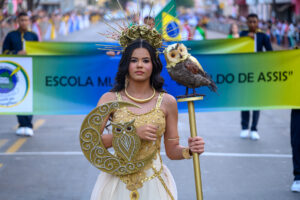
x=185, y=3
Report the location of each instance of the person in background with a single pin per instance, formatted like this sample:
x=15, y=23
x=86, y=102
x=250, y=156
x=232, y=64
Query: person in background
x=35, y=27
x=278, y=32
x=186, y=33
x=284, y=32
x=13, y=44
x=86, y=20
x=199, y=33
x=150, y=21
x=135, y=20
x=291, y=35
x=298, y=33
x=205, y=21
x=261, y=41
x=295, y=142
x=234, y=31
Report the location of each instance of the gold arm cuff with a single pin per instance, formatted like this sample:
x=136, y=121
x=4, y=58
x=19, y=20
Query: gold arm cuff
x=186, y=153
x=173, y=139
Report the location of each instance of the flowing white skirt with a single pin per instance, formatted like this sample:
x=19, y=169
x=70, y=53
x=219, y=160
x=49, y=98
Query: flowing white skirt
x=110, y=187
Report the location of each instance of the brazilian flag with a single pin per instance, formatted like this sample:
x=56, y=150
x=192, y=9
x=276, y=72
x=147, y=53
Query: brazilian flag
x=167, y=23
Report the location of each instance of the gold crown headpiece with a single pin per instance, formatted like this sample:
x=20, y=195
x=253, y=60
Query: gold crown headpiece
x=152, y=36
x=125, y=33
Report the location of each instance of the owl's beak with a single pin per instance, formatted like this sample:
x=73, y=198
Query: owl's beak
x=181, y=56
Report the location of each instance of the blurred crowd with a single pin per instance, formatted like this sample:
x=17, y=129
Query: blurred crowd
x=193, y=26
x=281, y=32
x=50, y=25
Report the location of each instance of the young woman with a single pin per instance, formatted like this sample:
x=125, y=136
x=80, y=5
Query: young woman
x=234, y=31
x=138, y=81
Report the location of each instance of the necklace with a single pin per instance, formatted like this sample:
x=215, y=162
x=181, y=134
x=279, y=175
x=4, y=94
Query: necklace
x=140, y=100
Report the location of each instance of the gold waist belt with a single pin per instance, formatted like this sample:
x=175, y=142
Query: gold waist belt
x=134, y=195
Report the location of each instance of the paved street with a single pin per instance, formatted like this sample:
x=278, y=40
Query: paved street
x=50, y=165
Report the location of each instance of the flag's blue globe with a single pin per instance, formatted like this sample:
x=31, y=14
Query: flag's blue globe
x=172, y=29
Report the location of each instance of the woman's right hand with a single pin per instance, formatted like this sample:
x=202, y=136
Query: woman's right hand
x=147, y=132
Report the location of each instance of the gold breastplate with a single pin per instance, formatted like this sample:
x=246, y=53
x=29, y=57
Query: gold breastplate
x=155, y=117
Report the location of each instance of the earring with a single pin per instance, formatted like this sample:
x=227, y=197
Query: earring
x=126, y=81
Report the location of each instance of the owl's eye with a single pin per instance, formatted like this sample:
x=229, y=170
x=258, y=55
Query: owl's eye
x=173, y=55
x=118, y=130
x=182, y=49
x=129, y=128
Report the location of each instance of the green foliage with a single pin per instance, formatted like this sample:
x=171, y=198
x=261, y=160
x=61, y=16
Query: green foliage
x=185, y=3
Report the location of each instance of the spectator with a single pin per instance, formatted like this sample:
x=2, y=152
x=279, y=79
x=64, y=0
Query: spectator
x=13, y=44
x=291, y=35
x=150, y=21
x=295, y=142
x=278, y=32
x=298, y=32
x=135, y=20
x=261, y=41
x=283, y=33
x=234, y=31
x=186, y=33
x=35, y=27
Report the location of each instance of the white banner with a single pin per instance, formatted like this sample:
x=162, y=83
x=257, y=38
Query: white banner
x=16, y=85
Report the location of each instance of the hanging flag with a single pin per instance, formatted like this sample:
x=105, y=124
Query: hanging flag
x=167, y=23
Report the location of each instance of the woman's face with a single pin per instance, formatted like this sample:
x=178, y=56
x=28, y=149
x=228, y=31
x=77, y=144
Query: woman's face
x=235, y=29
x=140, y=66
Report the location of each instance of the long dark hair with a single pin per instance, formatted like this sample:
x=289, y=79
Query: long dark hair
x=155, y=79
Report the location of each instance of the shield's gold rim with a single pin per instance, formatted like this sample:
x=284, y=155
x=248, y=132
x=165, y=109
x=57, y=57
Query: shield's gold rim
x=93, y=148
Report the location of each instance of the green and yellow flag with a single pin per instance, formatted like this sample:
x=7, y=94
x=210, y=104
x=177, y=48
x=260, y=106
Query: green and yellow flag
x=167, y=23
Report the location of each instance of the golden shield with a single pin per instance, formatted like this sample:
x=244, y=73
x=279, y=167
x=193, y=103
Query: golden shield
x=125, y=142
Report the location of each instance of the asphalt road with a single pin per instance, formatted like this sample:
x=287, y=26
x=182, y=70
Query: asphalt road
x=50, y=165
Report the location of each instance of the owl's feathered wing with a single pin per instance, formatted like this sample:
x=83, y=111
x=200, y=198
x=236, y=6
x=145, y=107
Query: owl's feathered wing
x=192, y=65
x=196, y=64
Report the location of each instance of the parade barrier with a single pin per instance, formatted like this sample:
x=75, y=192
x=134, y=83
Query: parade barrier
x=73, y=84
x=217, y=46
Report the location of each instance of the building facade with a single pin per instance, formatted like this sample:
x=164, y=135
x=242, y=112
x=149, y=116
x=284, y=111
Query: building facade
x=270, y=9
x=63, y=5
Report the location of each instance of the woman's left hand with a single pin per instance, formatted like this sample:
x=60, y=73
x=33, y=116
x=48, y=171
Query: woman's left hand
x=196, y=144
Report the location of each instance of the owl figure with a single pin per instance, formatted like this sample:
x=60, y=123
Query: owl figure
x=125, y=141
x=186, y=70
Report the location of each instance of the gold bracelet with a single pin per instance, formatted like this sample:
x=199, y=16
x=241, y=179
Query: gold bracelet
x=186, y=153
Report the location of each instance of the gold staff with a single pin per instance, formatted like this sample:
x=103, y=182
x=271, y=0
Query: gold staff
x=193, y=129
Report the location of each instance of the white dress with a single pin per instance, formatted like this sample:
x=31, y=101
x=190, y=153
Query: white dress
x=110, y=187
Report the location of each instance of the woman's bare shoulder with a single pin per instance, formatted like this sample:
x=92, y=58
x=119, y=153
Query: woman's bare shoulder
x=169, y=104
x=107, y=97
x=169, y=100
